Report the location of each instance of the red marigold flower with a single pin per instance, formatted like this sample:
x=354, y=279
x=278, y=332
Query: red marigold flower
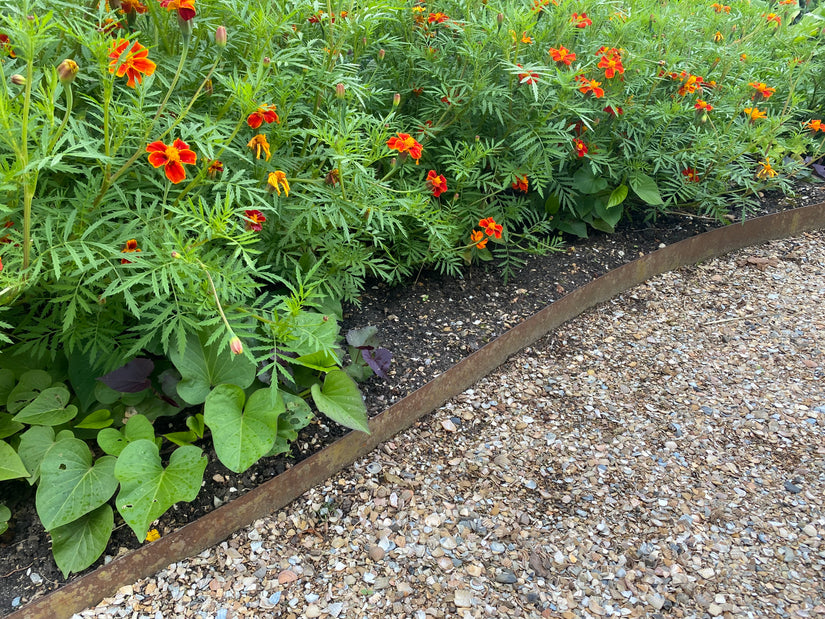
x=215, y=169
x=762, y=89
x=611, y=63
x=814, y=125
x=491, y=227
x=132, y=6
x=581, y=21
x=171, y=158
x=581, y=147
x=133, y=63
x=562, y=54
x=590, y=86
x=436, y=183
x=264, y=114
x=254, y=220
x=773, y=17
x=614, y=111
x=131, y=247
x=702, y=106
x=720, y=8
x=276, y=180
x=520, y=184
x=405, y=143
x=437, y=18
x=690, y=175
x=185, y=8
x=527, y=78
x=5, y=46
x=754, y=113
x=477, y=237
x=260, y=145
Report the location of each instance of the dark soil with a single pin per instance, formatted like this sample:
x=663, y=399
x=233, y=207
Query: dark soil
x=428, y=325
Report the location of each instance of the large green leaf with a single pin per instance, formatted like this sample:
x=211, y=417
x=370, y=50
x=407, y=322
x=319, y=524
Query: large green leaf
x=202, y=367
x=27, y=389
x=645, y=187
x=34, y=443
x=70, y=484
x=340, y=400
x=48, y=408
x=114, y=441
x=242, y=435
x=78, y=544
x=147, y=490
x=8, y=426
x=11, y=466
x=297, y=415
x=617, y=196
x=7, y=383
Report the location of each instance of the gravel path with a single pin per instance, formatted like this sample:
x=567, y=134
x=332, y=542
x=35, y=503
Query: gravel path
x=660, y=456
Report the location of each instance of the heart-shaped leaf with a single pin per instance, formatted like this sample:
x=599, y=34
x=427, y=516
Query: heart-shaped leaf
x=27, y=389
x=11, y=466
x=114, y=441
x=341, y=401
x=202, y=367
x=131, y=378
x=48, y=408
x=365, y=336
x=242, y=435
x=147, y=489
x=97, y=420
x=8, y=426
x=34, y=443
x=78, y=544
x=70, y=484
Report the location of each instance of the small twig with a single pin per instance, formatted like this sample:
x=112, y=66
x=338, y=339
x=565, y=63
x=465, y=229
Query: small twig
x=719, y=322
x=19, y=569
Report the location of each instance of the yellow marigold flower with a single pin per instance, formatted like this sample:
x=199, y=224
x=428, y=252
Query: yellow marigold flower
x=718, y=37
x=767, y=170
x=276, y=180
x=755, y=113
x=260, y=145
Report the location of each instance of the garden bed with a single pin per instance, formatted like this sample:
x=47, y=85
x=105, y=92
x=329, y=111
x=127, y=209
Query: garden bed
x=429, y=326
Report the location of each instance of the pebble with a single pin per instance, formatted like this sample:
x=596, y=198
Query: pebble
x=463, y=598
x=792, y=488
x=376, y=553
x=506, y=577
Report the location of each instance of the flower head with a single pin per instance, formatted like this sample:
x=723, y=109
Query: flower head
x=171, y=158
x=132, y=6
x=581, y=21
x=720, y=8
x=562, y=54
x=520, y=184
x=766, y=171
x=477, y=237
x=67, y=71
x=611, y=62
x=580, y=146
x=527, y=78
x=405, y=143
x=5, y=46
x=690, y=175
x=437, y=18
x=762, y=89
x=133, y=63
x=131, y=247
x=614, y=111
x=491, y=227
x=814, y=126
x=215, y=169
x=264, y=114
x=276, y=180
x=718, y=37
x=702, y=106
x=254, y=220
x=185, y=8
x=260, y=145
x=590, y=86
x=754, y=113
x=436, y=183
x=773, y=17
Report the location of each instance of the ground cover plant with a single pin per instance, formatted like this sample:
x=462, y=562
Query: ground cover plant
x=193, y=187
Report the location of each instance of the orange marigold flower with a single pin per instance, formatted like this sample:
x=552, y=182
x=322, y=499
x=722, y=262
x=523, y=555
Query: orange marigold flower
x=702, y=105
x=754, y=113
x=133, y=63
x=611, y=63
x=260, y=145
x=814, y=125
x=254, y=220
x=131, y=247
x=171, y=158
x=264, y=114
x=491, y=227
x=562, y=54
x=581, y=21
x=405, y=143
x=762, y=89
x=690, y=175
x=436, y=183
x=477, y=237
x=437, y=18
x=520, y=184
x=132, y=6
x=215, y=169
x=185, y=8
x=581, y=147
x=5, y=46
x=527, y=78
x=720, y=8
x=276, y=180
x=1, y=264
x=590, y=86
x=766, y=171
x=773, y=17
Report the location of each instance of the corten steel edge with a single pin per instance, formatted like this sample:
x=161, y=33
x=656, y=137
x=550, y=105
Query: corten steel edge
x=283, y=489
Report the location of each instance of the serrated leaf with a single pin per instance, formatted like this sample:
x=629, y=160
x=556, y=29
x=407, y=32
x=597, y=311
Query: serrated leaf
x=11, y=466
x=340, y=400
x=78, y=544
x=617, y=196
x=242, y=435
x=646, y=188
x=71, y=484
x=48, y=408
x=147, y=489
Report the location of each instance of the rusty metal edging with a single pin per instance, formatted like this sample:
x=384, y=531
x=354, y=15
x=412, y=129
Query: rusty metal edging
x=283, y=489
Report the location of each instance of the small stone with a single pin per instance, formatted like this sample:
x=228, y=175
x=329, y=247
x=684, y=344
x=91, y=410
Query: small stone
x=715, y=610
x=275, y=598
x=656, y=601
x=463, y=598
x=448, y=425
x=335, y=609
x=594, y=607
x=706, y=573
x=506, y=577
x=792, y=488
x=497, y=547
x=376, y=553
x=474, y=570
x=313, y=610
x=217, y=477
x=445, y=563
x=36, y=578
x=287, y=576
x=810, y=530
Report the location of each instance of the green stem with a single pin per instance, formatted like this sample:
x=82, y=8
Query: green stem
x=215, y=295
x=69, y=103
x=30, y=178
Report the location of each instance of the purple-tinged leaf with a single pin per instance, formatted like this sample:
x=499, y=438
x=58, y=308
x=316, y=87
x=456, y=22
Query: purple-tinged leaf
x=819, y=169
x=131, y=378
x=379, y=360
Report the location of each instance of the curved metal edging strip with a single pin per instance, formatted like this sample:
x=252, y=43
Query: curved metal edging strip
x=279, y=491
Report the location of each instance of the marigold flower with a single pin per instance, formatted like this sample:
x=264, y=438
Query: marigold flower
x=436, y=183
x=762, y=89
x=590, y=86
x=580, y=146
x=754, y=113
x=562, y=54
x=405, y=143
x=215, y=169
x=131, y=247
x=264, y=114
x=491, y=227
x=333, y=177
x=581, y=21
x=260, y=145
x=520, y=184
x=773, y=17
x=718, y=37
x=132, y=6
x=690, y=83
x=185, y=8
x=612, y=64
x=614, y=111
x=527, y=78
x=702, y=106
x=814, y=125
x=152, y=535
x=5, y=46
x=690, y=175
x=133, y=63
x=437, y=18
x=1, y=263
x=67, y=71
x=171, y=158
x=276, y=180
x=720, y=8
x=477, y=237
x=766, y=171
x=254, y=220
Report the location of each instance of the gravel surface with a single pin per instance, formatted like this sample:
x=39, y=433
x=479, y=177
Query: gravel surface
x=659, y=456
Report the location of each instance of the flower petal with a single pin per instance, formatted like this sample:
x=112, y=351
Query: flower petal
x=175, y=172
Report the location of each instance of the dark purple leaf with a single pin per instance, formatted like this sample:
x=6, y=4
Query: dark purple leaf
x=131, y=378
x=819, y=169
x=379, y=360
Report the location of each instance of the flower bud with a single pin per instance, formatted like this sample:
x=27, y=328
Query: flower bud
x=18, y=80
x=220, y=36
x=67, y=71
x=267, y=61
x=381, y=54
x=175, y=255
x=340, y=90
x=500, y=19
x=396, y=100
x=236, y=346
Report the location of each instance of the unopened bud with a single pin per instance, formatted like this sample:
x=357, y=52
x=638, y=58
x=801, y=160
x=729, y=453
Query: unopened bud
x=18, y=80
x=67, y=71
x=267, y=61
x=396, y=100
x=381, y=54
x=500, y=19
x=340, y=90
x=220, y=36
x=175, y=255
x=236, y=346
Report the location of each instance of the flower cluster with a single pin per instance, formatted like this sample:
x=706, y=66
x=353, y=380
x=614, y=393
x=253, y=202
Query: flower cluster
x=690, y=83
x=489, y=227
x=720, y=8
